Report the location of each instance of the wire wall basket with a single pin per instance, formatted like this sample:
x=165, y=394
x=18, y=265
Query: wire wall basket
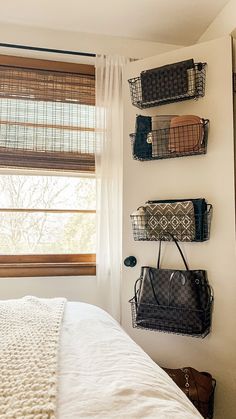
x=177, y=320
x=148, y=226
x=171, y=83
x=185, y=140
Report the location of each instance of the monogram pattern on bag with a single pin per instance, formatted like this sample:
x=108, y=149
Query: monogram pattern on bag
x=171, y=319
x=175, y=288
x=176, y=218
x=174, y=301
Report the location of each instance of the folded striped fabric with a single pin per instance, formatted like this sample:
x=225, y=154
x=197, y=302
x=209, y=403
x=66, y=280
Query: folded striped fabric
x=159, y=136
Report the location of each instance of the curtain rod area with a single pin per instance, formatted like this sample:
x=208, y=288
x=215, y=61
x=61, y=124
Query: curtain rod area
x=56, y=51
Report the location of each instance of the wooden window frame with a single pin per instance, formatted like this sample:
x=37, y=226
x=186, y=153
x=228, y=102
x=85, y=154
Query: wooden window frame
x=67, y=160
x=47, y=264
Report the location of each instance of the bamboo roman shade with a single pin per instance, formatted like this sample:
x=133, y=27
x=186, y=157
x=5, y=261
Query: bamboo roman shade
x=47, y=115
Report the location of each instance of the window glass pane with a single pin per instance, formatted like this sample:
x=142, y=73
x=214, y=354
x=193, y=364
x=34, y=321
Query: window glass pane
x=54, y=192
x=47, y=233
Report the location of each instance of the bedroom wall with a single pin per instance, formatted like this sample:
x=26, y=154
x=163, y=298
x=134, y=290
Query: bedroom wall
x=210, y=176
x=74, y=288
x=71, y=287
x=224, y=23
x=75, y=41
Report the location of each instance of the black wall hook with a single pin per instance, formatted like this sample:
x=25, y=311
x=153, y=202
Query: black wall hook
x=130, y=261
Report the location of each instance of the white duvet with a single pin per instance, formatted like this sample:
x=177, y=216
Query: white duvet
x=104, y=374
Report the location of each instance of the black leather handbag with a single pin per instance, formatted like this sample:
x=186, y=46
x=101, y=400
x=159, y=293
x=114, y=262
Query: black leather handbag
x=198, y=386
x=173, y=300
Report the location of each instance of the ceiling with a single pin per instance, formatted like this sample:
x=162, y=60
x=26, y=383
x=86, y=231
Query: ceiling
x=179, y=22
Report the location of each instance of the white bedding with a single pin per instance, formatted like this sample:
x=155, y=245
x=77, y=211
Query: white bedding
x=104, y=374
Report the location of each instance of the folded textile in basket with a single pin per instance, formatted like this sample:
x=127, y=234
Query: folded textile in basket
x=200, y=213
x=177, y=218
x=191, y=74
x=159, y=136
x=161, y=121
x=171, y=81
x=163, y=135
x=186, y=133
x=141, y=147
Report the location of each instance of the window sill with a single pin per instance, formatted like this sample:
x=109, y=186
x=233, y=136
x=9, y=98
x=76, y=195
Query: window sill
x=47, y=265
x=47, y=269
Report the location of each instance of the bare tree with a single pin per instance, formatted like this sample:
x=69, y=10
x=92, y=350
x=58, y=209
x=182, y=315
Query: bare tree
x=27, y=232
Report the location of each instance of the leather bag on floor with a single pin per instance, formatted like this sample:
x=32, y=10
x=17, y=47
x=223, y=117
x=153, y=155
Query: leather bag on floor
x=198, y=386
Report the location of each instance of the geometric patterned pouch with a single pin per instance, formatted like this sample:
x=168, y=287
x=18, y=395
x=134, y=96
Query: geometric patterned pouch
x=176, y=218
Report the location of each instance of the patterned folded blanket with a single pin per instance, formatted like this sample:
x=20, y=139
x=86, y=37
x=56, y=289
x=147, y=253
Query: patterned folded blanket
x=29, y=340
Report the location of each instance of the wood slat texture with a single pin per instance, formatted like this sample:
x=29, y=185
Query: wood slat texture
x=47, y=114
x=47, y=265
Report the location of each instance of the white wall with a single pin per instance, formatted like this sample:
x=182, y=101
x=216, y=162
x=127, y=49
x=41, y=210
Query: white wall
x=74, y=288
x=75, y=41
x=223, y=24
x=210, y=176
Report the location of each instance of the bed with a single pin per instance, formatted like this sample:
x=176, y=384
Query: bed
x=103, y=373
x=70, y=360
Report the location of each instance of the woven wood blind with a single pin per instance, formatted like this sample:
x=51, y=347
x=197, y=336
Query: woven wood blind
x=47, y=116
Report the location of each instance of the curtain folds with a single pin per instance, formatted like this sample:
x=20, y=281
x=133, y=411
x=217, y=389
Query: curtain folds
x=109, y=165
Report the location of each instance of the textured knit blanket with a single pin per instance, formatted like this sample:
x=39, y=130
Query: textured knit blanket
x=29, y=338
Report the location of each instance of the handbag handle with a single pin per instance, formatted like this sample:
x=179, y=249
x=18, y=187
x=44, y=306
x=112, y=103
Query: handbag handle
x=137, y=291
x=180, y=251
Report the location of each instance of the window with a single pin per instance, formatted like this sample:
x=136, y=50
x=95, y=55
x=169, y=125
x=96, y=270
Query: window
x=47, y=112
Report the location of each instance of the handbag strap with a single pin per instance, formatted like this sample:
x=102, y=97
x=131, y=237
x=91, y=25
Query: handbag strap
x=180, y=251
x=153, y=288
x=137, y=290
x=137, y=286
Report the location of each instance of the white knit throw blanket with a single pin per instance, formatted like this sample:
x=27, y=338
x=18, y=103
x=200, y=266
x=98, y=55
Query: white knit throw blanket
x=29, y=338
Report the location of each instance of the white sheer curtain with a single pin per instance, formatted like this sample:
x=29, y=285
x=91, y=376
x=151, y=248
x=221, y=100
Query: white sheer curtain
x=109, y=156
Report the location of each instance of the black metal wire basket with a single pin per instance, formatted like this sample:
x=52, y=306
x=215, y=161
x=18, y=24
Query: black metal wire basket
x=177, y=320
x=167, y=84
x=186, y=140
x=147, y=227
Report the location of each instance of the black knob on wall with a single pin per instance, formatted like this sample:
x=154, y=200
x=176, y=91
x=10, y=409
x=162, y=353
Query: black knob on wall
x=130, y=261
